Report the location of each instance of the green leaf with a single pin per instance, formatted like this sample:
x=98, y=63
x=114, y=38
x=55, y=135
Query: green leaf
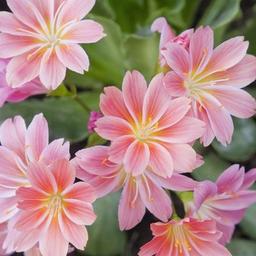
x=220, y=12
x=67, y=119
x=242, y=247
x=211, y=169
x=248, y=224
x=105, y=238
x=142, y=54
x=94, y=139
x=243, y=145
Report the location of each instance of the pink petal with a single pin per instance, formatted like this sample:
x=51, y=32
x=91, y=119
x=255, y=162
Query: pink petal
x=52, y=71
x=249, y=179
x=177, y=58
x=84, y=32
x=227, y=55
x=80, y=191
x=95, y=161
x=56, y=150
x=102, y=185
x=41, y=177
x=231, y=179
x=131, y=209
x=220, y=119
x=64, y=173
x=176, y=111
x=79, y=212
x=204, y=191
x=156, y=101
x=161, y=25
x=9, y=24
x=73, y=233
x=73, y=57
x=52, y=242
x=174, y=84
x=28, y=220
x=119, y=147
x=178, y=133
x=46, y=9
x=136, y=158
x=11, y=45
x=8, y=166
x=37, y=137
x=227, y=95
x=112, y=103
x=201, y=48
x=152, y=247
x=29, y=193
x=8, y=208
x=177, y=182
x=184, y=157
x=74, y=10
x=12, y=135
x=26, y=12
x=161, y=160
x=134, y=90
x=155, y=199
x=22, y=69
x=110, y=127
x=239, y=75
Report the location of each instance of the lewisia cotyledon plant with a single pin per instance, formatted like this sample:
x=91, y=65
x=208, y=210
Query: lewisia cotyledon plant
x=186, y=237
x=42, y=37
x=212, y=78
x=224, y=201
x=147, y=128
x=146, y=190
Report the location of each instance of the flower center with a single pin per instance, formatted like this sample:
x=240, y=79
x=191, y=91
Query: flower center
x=144, y=132
x=55, y=204
x=181, y=241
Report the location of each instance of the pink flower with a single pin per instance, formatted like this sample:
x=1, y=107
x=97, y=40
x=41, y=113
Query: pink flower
x=190, y=237
x=53, y=210
x=212, y=79
x=139, y=192
x=8, y=94
x=42, y=39
x=226, y=201
x=146, y=127
x=19, y=147
x=94, y=116
x=168, y=36
x=3, y=233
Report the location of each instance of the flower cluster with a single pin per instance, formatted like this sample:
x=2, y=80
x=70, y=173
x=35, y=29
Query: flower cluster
x=150, y=129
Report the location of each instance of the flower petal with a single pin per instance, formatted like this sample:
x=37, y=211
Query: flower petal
x=112, y=103
x=227, y=95
x=131, y=208
x=73, y=57
x=156, y=101
x=201, y=48
x=161, y=160
x=11, y=45
x=73, y=233
x=22, y=69
x=37, y=137
x=110, y=127
x=155, y=199
x=79, y=212
x=84, y=32
x=184, y=157
x=134, y=90
x=227, y=55
x=177, y=58
x=174, y=84
x=52, y=71
x=136, y=158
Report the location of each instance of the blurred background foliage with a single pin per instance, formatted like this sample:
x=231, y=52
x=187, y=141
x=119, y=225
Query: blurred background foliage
x=131, y=45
